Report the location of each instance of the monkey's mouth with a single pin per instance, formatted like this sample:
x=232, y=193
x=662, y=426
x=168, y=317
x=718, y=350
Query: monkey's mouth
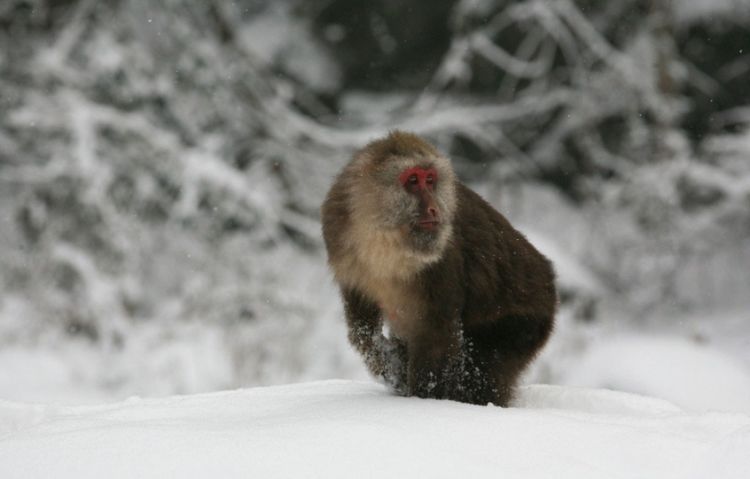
x=428, y=225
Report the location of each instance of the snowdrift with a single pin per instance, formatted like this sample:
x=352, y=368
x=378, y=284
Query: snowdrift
x=356, y=429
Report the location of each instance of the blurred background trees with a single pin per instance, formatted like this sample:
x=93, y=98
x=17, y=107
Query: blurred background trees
x=162, y=164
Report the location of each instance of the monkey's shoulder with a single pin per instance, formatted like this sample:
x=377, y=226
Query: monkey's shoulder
x=479, y=222
x=487, y=235
x=335, y=216
x=502, y=269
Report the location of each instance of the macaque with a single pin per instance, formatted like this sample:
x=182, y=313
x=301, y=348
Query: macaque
x=466, y=300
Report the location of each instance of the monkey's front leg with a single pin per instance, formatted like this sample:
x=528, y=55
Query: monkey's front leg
x=436, y=363
x=384, y=357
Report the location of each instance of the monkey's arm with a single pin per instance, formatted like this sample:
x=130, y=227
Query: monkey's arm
x=437, y=349
x=384, y=357
x=436, y=361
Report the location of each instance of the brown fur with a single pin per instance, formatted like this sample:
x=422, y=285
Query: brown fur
x=467, y=308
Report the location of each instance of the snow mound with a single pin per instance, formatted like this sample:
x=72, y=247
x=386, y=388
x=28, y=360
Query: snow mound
x=353, y=429
x=692, y=375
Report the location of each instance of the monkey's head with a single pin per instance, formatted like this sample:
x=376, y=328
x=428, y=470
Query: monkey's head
x=404, y=185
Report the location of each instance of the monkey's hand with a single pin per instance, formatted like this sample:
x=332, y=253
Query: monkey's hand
x=384, y=357
x=436, y=365
x=390, y=362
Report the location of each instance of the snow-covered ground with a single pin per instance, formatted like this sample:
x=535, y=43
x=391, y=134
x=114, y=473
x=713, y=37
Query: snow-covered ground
x=692, y=375
x=357, y=429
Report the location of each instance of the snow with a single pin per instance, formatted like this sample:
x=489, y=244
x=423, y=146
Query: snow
x=692, y=11
x=692, y=375
x=156, y=362
x=357, y=429
x=35, y=374
x=278, y=36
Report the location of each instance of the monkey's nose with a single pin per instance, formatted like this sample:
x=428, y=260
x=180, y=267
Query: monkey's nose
x=432, y=212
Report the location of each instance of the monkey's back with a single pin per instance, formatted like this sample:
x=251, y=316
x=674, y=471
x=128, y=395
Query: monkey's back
x=508, y=276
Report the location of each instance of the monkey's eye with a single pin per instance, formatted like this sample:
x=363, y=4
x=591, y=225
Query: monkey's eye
x=430, y=180
x=413, y=180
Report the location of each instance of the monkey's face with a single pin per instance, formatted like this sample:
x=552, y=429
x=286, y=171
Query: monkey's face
x=418, y=199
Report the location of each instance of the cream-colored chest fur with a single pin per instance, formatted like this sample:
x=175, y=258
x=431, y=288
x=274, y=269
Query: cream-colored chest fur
x=379, y=265
x=399, y=305
x=383, y=254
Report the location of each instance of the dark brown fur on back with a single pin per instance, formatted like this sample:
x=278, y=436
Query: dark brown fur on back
x=505, y=291
x=464, y=326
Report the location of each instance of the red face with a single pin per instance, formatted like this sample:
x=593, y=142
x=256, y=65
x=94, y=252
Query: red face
x=421, y=183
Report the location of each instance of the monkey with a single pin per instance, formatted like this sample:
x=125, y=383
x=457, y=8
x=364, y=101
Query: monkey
x=443, y=298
